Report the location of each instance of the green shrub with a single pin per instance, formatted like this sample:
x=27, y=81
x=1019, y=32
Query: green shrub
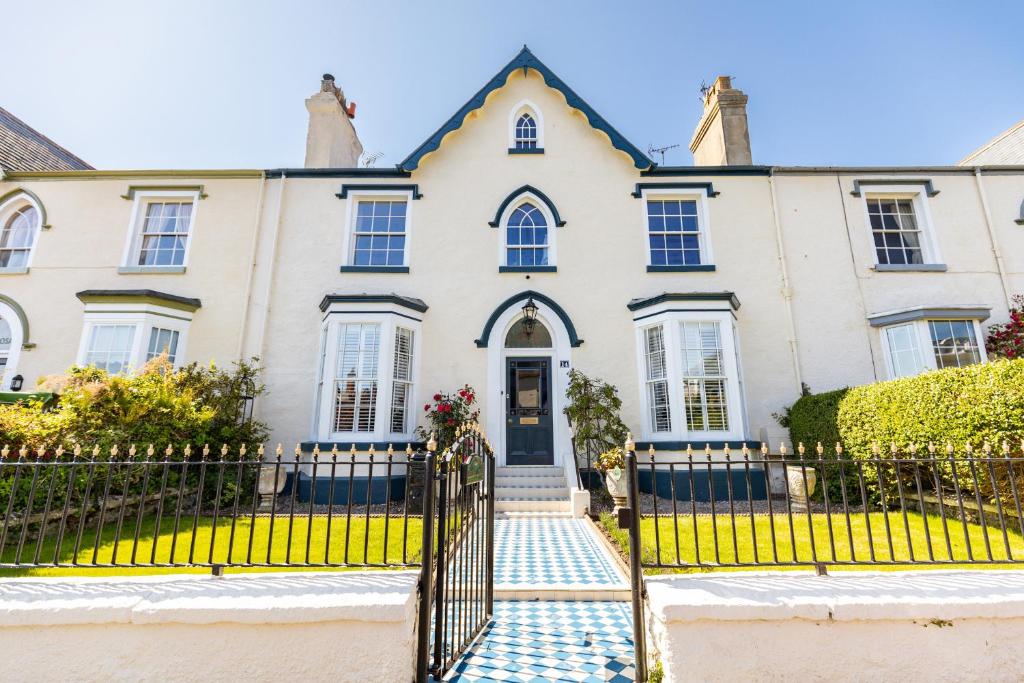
x=813, y=419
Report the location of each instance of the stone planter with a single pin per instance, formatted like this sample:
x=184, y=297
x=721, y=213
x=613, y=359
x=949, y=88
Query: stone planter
x=267, y=489
x=800, y=481
x=615, y=481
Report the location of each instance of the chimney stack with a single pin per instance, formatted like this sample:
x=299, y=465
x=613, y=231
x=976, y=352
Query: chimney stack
x=722, y=137
x=331, y=141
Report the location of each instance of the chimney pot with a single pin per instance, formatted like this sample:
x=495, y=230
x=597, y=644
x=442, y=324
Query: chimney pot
x=328, y=77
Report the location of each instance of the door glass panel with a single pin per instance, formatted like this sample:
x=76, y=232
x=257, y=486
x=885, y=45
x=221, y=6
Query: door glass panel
x=528, y=387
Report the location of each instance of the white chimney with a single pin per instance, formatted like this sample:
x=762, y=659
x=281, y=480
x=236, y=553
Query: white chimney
x=331, y=141
x=722, y=137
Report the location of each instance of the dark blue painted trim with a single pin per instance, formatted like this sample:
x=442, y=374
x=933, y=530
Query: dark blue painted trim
x=361, y=446
x=348, y=187
x=526, y=150
x=394, y=172
x=527, y=269
x=515, y=194
x=703, y=484
x=928, y=188
x=681, y=269
x=374, y=269
x=698, y=446
x=320, y=490
x=706, y=170
x=526, y=60
x=407, y=301
x=637, y=304
x=574, y=340
x=640, y=187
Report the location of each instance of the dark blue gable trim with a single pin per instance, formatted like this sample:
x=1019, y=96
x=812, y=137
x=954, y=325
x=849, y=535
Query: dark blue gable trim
x=518, y=193
x=574, y=340
x=346, y=188
x=640, y=187
x=526, y=60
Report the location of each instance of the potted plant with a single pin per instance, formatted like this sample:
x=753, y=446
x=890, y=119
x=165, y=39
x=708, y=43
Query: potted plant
x=612, y=464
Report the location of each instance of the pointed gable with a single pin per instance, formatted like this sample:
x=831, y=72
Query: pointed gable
x=526, y=60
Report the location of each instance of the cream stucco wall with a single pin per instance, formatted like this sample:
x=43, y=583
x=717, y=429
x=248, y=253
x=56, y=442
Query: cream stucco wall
x=84, y=248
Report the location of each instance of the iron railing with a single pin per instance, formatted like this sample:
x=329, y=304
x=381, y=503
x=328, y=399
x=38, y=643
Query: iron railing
x=197, y=508
x=458, y=571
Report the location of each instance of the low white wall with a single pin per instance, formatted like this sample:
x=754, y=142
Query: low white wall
x=854, y=626
x=351, y=626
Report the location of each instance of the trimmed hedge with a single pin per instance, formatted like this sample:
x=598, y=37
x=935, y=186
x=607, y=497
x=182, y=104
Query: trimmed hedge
x=814, y=418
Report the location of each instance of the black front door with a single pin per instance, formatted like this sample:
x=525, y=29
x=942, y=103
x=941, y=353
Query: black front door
x=529, y=433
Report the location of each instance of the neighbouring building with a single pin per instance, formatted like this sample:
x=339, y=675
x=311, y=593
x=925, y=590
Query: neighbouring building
x=708, y=294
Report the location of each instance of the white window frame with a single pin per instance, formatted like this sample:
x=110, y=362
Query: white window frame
x=671, y=322
x=15, y=202
x=700, y=195
x=923, y=337
x=144, y=318
x=918, y=195
x=528, y=198
x=525, y=107
x=353, y=199
x=133, y=244
x=393, y=317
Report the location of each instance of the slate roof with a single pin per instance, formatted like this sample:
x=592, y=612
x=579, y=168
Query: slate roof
x=23, y=148
x=1007, y=148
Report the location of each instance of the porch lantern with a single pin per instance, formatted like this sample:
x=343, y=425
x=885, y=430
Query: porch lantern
x=529, y=316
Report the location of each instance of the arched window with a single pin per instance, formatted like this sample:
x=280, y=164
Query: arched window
x=526, y=132
x=527, y=238
x=521, y=337
x=19, y=225
x=12, y=337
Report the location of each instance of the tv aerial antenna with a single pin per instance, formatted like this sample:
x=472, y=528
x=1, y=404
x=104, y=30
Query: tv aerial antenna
x=651, y=149
x=370, y=160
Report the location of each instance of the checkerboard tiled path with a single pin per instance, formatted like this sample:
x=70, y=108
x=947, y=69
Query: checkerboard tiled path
x=538, y=551
x=589, y=642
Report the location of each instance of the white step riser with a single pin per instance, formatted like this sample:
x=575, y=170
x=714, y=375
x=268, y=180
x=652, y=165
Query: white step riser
x=558, y=482
x=532, y=506
x=546, y=471
x=532, y=494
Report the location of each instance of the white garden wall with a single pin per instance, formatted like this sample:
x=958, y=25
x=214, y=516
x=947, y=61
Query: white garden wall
x=352, y=626
x=856, y=626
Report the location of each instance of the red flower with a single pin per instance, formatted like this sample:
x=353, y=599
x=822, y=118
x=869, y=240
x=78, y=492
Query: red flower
x=451, y=423
x=437, y=397
x=426, y=408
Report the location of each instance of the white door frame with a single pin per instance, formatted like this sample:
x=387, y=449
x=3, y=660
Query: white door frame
x=496, y=377
x=8, y=313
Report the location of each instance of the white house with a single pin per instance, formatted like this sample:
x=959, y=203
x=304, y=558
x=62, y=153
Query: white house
x=708, y=294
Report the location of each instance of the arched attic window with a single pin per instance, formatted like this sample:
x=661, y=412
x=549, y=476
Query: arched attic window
x=526, y=129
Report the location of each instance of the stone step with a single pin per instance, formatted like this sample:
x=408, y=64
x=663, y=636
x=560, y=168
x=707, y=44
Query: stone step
x=505, y=480
x=527, y=506
x=530, y=471
x=532, y=492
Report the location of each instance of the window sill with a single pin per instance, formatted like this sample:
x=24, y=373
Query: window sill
x=154, y=270
x=374, y=269
x=681, y=269
x=909, y=268
x=527, y=150
x=527, y=269
x=18, y=270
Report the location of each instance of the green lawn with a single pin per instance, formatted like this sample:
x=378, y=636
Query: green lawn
x=281, y=548
x=752, y=542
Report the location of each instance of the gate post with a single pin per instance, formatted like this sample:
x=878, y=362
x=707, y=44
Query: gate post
x=439, y=585
x=426, y=573
x=489, y=459
x=636, y=576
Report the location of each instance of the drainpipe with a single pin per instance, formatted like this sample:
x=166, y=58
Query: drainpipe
x=246, y=304
x=271, y=266
x=787, y=289
x=996, y=252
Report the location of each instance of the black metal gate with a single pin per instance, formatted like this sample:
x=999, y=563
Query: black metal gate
x=457, y=580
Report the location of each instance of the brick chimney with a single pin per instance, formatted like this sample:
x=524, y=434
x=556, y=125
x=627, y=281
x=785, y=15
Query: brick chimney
x=721, y=137
x=331, y=141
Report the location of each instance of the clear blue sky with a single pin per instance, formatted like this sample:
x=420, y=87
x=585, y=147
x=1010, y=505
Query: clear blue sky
x=218, y=84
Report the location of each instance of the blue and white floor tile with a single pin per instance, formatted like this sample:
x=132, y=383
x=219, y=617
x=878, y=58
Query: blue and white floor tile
x=585, y=642
x=545, y=552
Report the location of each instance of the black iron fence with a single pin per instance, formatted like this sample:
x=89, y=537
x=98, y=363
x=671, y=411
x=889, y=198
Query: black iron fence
x=820, y=508
x=196, y=508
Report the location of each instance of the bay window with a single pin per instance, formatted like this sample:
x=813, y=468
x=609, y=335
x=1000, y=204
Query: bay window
x=931, y=344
